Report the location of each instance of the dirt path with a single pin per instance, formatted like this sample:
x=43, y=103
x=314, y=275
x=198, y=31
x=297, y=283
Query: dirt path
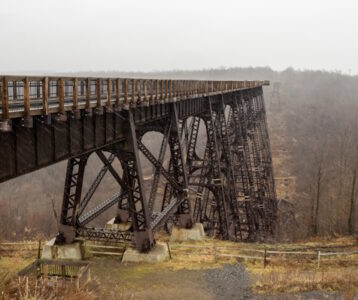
x=145, y=281
x=229, y=282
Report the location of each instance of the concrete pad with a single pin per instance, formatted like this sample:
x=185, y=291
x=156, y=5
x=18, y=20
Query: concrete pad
x=67, y=251
x=196, y=233
x=159, y=253
x=120, y=227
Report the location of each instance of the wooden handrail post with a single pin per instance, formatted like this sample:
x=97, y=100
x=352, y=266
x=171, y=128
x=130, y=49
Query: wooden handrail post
x=151, y=91
x=146, y=99
x=161, y=90
x=88, y=96
x=156, y=90
x=125, y=90
x=4, y=99
x=133, y=91
x=170, y=89
x=61, y=100
x=109, y=104
x=166, y=90
x=45, y=96
x=139, y=90
x=26, y=97
x=75, y=95
x=118, y=94
x=99, y=97
x=76, y=111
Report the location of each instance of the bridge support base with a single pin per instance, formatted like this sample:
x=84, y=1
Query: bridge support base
x=196, y=233
x=158, y=253
x=73, y=251
x=112, y=225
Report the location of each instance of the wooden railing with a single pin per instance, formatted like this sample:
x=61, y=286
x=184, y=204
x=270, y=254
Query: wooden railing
x=23, y=97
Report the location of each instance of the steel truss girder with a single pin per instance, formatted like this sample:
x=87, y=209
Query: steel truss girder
x=95, y=185
x=235, y=195
x=99, y=209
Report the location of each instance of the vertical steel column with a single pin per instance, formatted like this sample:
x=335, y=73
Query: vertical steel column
x=179, y=169
x=217, y=179
x=137, y=204
x=71, y=198
x=227, y=160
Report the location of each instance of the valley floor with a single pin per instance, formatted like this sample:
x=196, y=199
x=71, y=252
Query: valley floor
x=206, y=270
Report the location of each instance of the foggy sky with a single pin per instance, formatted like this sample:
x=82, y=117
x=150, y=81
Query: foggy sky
x=147, y=35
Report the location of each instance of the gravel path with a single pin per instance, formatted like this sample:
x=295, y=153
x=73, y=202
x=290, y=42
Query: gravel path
x=229, y=282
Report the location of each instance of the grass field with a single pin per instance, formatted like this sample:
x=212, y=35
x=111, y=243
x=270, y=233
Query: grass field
x=182, y=275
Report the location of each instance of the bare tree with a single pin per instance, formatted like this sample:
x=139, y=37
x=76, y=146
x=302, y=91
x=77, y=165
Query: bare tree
x=352, y=202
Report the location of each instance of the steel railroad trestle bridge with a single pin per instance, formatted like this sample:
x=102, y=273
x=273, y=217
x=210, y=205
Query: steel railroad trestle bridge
x=219, y=170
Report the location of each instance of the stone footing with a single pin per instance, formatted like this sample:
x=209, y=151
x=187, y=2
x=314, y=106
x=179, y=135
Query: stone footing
x=72, y=251
x=196, y=233
x=159, y=253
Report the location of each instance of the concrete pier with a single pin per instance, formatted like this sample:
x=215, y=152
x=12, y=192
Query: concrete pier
x=196, y=233
x=159, y=253
x=73, y=251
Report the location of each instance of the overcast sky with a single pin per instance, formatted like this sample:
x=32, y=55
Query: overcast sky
x=133, y=35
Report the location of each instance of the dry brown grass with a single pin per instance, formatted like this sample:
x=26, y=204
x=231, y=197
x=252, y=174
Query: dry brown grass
x=30, y=288
x=283, y=273
x=296, y=280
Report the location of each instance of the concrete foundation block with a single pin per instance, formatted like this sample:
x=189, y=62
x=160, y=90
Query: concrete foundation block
x=196, y=233
x=72, y=251
x=159, y=253
x=120, y=227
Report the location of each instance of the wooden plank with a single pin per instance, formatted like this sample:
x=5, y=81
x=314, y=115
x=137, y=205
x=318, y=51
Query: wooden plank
x=107, y=246
x=139, y=90
x=45, y=96
x=61, y=98
x=106, y=253
x=75, y=94
x=125, y=87
x=88, y=95
x=118, y=94
x=109, y=104
x=166, y=90
x=156, y=89
x=133, y=91
x=99, y=100
x=4, y=99
x=170, y=89
x=151, y=91
x=161, y=90
x=26, y=97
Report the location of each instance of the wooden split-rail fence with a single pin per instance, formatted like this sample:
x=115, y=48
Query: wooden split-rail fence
x=213, y=250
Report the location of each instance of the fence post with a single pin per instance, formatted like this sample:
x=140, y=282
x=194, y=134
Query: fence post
x=215, y=258
x=169, y=250
x=318, y=259
x=39, y=250
x=265, y=254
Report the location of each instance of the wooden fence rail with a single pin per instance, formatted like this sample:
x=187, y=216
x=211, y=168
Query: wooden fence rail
x=267, y=255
